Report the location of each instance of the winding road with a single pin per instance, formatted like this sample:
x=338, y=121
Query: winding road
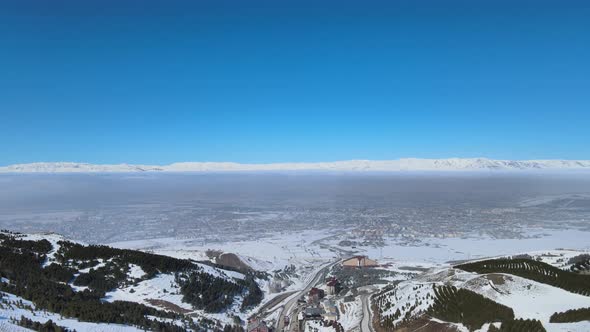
x=366, y=322
x=288, y=307
x=291, y=304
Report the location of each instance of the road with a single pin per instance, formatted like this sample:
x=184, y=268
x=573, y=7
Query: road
x=274, y=302
x=288, y=307
x=366, y=322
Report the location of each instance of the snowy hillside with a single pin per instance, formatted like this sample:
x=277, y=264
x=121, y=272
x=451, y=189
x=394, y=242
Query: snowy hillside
x=407, y=164
x=44, y=277
x=527, y=300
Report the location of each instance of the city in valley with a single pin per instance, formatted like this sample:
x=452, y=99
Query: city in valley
x=306, y=252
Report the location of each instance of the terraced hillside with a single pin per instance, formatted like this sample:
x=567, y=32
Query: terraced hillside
x=533, y=270
x=546, y=290
x=459, y=305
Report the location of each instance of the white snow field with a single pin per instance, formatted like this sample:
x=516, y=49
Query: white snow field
x=530, y=299
x=352, y=314
x=439, y=250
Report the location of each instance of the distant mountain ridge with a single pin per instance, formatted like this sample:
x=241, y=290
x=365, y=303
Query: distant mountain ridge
x=406, y=164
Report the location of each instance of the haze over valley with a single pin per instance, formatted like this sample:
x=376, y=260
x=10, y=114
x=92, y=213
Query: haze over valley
x=102, y=208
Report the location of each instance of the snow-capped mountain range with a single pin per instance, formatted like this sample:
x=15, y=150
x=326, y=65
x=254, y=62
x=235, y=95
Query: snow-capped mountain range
x=406, y=164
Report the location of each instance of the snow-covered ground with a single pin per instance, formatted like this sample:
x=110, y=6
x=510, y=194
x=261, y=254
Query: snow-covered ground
x=558, y=258
x=351, y=314
x=161, y=291
x=440, y=250
x=530, y=299
x=303, y=250
x=413, y=297
x=268, y=254
x=162, y=287
x=308, y=252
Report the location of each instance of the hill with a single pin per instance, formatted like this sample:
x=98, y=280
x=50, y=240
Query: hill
x=538, y=291
x=45, y=277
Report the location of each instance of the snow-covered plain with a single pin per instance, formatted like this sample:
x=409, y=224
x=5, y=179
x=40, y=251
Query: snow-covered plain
x=440, y=250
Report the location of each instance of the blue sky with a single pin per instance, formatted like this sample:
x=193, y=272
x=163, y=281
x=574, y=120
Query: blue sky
x=155, y=82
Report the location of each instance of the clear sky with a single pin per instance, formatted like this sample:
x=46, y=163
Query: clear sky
x=156, y=82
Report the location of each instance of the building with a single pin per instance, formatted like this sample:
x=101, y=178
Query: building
x=332, y=286
x=330, y=311
x=257, y=325
x=313, y=313
x=360, y=262
x=315, y=295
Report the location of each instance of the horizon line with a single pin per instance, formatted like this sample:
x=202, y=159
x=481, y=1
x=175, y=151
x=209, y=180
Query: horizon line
x=354, y=165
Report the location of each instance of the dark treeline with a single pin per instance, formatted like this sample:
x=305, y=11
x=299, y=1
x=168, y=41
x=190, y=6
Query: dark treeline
x=467, y=307
x=22, y=263
x=151, y=264
x=570, y=316
x=533, y=270
x=48, y=326
x=207, y=292
x=212, y=294
x=519, y=325
x=105, y=278
x=254, y=296
x=41, y=247
x=59, y=273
